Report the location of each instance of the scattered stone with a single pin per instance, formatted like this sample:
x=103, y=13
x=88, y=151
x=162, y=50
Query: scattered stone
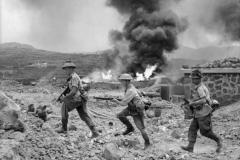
x=175, y=134
x=18, y=136
x=150, y=113
x=31, y=108
x=46, y=127
x=72, y=128
x=111, y=152
x=7, y=108
x=41, y=112
x=130, y=143
x=16, y=126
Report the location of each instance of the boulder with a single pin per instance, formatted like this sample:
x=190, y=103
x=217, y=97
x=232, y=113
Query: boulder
x=17, y=126
x=7, y=106
x=111, y=152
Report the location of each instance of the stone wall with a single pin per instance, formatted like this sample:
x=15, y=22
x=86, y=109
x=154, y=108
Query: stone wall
x=223, y=85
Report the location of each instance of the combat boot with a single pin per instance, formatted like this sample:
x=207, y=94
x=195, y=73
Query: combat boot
x=146, y=145
x=94, y=132
x=189, y=147
x=61, y=130
x=219, y=145
x=128, y=130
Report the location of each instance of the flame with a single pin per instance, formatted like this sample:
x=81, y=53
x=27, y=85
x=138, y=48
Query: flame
x=107, y=76
x=149, y=71
x=140, y=77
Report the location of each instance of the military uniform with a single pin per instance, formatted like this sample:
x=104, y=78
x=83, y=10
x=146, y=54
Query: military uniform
x=201, y=117
x=78, y=101
x=132, y=98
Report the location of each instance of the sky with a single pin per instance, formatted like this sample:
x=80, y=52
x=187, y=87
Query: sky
x=84, y=25
x=59, y=25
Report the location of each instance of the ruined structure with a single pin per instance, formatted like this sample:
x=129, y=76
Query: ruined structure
x=223, y=83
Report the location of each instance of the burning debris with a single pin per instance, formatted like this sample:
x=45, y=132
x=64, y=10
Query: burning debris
x=150, y=31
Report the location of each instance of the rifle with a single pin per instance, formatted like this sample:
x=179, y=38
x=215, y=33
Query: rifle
x=187, y=101
x=64, y=93
x=106, y=98
x=147, y=103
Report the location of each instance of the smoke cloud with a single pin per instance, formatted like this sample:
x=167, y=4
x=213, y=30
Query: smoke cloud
x=151, y=30
x=213, y=22
x=227, y=15
x=59, y=25
x=51, y=18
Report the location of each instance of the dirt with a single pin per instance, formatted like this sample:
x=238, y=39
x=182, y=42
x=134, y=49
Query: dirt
x=40, y=141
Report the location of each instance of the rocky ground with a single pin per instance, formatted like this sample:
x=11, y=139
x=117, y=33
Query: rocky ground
x=167, y=132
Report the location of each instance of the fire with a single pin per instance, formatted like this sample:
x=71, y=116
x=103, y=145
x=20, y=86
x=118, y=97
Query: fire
x=147, y=73
x=107, y=76
x=139, y=77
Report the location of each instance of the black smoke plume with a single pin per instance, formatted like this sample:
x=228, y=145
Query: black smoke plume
x=228, y=15
x=150, y=31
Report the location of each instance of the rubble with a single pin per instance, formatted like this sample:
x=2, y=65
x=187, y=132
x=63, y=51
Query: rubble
x=72, y=128
x=111, y=152
x=8, y=149
x=175, y=134
x=231, y=62
x=166, y=133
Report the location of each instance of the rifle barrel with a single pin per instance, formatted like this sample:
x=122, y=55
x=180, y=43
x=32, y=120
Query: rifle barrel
x=105, y=98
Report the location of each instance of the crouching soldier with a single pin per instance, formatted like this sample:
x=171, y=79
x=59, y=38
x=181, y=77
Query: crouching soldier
x=75, y=98
x=201, y=114
x=135, y=108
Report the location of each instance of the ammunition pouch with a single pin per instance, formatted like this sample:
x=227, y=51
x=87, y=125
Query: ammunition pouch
x=188, y=111
x=84, y=96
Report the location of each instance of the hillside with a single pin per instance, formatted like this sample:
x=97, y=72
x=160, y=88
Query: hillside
x=20, y=61
x=16, y=59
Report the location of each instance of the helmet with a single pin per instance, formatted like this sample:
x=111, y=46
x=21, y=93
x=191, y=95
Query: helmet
x=196, y=74
x=68, y=64
x=125, y=76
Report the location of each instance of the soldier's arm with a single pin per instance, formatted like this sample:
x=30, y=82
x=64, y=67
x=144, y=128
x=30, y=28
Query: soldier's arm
x=126, y=99
x=198, y=102
x=202, y=100
x=73, y=91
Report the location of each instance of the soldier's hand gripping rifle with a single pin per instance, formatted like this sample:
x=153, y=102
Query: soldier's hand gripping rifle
x=64, y=93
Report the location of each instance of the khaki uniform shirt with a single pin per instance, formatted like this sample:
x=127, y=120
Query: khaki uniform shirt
x=132, y=98
x=201, y=91
x=75, y=81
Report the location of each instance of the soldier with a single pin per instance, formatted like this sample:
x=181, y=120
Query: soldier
x=201, y=114
x=135, y=108
x=76, y=98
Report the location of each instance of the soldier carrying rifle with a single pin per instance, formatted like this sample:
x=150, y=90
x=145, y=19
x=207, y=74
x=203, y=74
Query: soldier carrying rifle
x=135, y=108
x=73, y=97
x=202, y=111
